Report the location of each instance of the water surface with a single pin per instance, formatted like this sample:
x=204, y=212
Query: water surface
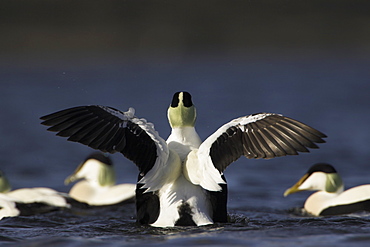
x=327, y=92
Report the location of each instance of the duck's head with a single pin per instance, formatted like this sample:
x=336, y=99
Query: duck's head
x=322, y=177
x=4, y=183
x=97, y=168
x=181, y=112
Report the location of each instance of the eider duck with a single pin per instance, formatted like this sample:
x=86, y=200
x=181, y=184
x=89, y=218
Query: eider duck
x=181, y=181
x=330, y=199
x=98, y=186
x=28, y=201
x=32, y=195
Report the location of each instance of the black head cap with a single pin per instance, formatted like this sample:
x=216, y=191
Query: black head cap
x=322, y=167
x=100, y=157
x=186, y=99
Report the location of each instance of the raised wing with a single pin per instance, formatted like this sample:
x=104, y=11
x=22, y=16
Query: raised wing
x=110, y=130
x=262, y=135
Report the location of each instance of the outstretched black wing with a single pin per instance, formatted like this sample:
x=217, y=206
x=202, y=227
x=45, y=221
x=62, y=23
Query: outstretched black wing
x=110, y=130
x=262, y=135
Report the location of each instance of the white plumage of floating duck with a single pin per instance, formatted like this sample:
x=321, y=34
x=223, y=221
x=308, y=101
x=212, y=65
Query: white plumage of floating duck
x=28, y=201
x=181, y=180
x=98, y=186
x=32, y=195
x=11, y=207
x=330, y=199
x=8, y=207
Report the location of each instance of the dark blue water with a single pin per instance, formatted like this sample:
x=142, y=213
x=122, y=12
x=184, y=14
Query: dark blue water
x=328, y=92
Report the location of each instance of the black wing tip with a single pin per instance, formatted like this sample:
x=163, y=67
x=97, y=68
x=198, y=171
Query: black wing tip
x=54, y=114
x=319, y=134
x=45, y=122
x=321, y=141
x=47, y=117
x=322, y=135
x=308, y=128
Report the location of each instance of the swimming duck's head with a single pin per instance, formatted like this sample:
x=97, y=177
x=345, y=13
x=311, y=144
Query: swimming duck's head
x=4, y=183
x=322, y=177
x=97, y=168
x=181, y=112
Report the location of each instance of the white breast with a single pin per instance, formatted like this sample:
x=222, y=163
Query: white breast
x=318, y=201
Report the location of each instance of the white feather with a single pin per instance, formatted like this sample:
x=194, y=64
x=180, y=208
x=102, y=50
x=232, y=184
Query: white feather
x=175, y=194
x=162, y=173
x=39, y=194
x=7, y=207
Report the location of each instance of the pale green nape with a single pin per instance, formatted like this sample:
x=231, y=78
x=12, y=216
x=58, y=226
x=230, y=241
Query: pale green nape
x=4, y=183
x=182, y=116
x=107, y=176
x=334, y=183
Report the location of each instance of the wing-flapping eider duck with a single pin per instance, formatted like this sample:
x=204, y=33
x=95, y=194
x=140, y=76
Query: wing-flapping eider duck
x=330, y=199
x=98, y=186
x=181, y=180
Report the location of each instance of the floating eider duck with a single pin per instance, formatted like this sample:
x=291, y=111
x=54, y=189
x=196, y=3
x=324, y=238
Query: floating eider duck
x=181, y=180
x=28, y=201
x=330, y=198
x=32, y=195
x=98, y=186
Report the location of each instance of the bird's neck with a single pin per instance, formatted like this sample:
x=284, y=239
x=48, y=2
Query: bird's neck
x=185, y=135
x=182, y=140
